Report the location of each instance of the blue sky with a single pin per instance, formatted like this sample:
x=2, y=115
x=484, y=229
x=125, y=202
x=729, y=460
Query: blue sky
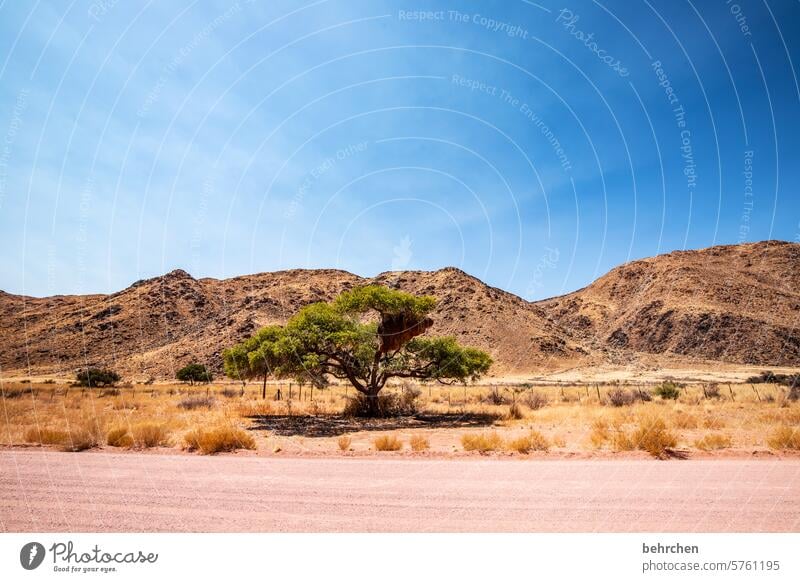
x=534, y=145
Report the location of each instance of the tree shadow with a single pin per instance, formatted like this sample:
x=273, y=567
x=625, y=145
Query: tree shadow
x=335, y=425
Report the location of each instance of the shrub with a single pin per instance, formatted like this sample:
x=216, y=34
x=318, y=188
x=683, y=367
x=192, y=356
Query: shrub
x=621, y=397
x=653, y=436
x=514, y=412
x=494, y=397
x=712, y=391
x=713, y=442
x=80, y=440
x=533, y=441
x=217, y=440
x=230, y=392
x=150, y=434
x=387, y=443
x=194, y=402
x=109, y=392
x=668, y=391
x=344, y=442
x=714, y=422
x=16, y=392
x=784, y=438
x=389, y=404
x=119, y=437
x=419, y=443
x=536, y=400
x=194, y=373
x=482, y=442
x=93, y=377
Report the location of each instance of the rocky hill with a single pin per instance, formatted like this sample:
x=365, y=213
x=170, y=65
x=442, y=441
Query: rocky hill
x=728, y=303
x=736, y=303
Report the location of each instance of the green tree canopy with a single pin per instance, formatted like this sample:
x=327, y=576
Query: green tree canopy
x=366, y=336
x=194, y=373
x=97, y=377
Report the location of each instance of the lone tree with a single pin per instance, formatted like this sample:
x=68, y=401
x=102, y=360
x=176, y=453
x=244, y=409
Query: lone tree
x=194, y=373
x=365, y=336
x=96, y=377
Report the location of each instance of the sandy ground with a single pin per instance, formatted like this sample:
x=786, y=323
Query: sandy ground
x=52, y=491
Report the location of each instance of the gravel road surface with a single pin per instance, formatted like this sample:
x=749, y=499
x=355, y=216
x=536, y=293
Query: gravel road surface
x=53, y=492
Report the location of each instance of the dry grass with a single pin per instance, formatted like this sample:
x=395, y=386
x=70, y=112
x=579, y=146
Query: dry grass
x=533, y=441
x=482, y=442
x=574, y=418
x=419, y=443
x=119, y=437
x=514, y=412
x=150, y=434
x=653, y=436
x=785, y=438
x=344, y=442
x=387, y=442
x=713, y=442
x=46, y=436
x=218, y=440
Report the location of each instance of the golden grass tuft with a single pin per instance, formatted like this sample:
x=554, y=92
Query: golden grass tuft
x=344, y=442
x=150, y=434
x=713, y=442
x=218, y=440
x=785, y=438
x=653, y=436
x=514, y=412
x=533, y=441
x=119, y=437
x=387, y=442
x=419, y=443
x=482, y=442
x=46, y=436
x=600, y=433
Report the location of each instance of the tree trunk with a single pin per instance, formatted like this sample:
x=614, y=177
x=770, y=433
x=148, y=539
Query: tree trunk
x=373, y=405
x=264, y=388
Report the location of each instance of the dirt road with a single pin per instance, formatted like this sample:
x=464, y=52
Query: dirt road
x=53, y=491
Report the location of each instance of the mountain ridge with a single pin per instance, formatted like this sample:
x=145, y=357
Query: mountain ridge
x=731, y=303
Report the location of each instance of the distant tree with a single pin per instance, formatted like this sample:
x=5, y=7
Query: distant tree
x=194, y=373
x=93, y=377
x=366, y=336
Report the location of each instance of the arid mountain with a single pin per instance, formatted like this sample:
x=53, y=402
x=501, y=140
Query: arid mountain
x=158, y=325
x=737, y=303
x=729, y=303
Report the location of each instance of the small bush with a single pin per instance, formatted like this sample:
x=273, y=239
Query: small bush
x=119, y=437
x=230, y=392
x=194, y=402
x=514, y=412
x=109, y=392
x=495, y=397
x=344, y=442
x=785, y=438
x=150, y=434
x=482, y=442
x=533, y=441
x=80, y=440
x=536, y=400
x=419, y=443
x=713, y=442
x=621, y=397
x=218, y=440
x=94, y=377
x=653, y=436
x=668, y=391
x=11, y=393
x=712, y=391
x=387, y=442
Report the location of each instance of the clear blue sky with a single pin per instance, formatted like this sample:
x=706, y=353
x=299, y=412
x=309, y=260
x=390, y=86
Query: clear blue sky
x=532, y=145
